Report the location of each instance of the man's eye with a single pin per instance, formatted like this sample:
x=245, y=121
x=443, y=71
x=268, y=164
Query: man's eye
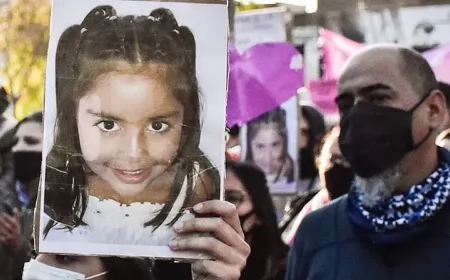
x=378, y=98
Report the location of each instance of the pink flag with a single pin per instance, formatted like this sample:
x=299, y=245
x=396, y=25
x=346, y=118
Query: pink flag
x=336, y=51
x=323, y=94
x=439, y=59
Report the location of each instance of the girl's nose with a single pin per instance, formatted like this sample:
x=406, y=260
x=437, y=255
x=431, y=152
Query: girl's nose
x=135, y=143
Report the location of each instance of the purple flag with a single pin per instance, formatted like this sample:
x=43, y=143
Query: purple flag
x=261, y=79
x=439, y=59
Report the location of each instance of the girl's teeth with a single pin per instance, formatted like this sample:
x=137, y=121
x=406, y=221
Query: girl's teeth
x=133, y=172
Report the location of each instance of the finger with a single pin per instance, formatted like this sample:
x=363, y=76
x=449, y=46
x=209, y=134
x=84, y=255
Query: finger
x=11, y=222
x=5, y=227
x=226, y=210
x=217, y=226
x=209, y=245
x=212, y=270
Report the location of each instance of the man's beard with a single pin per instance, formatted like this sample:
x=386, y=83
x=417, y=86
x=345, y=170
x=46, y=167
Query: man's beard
x=379, y=188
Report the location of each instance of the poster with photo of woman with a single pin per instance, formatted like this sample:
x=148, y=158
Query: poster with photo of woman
x=270, y=142
x=134, y=124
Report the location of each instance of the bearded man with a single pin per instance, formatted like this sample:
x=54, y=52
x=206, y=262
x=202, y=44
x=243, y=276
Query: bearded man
x=395, y=222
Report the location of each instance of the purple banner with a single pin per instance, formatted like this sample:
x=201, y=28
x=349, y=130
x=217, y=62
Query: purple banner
x=261, y=79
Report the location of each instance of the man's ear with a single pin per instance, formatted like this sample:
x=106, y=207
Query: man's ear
x=438, y=111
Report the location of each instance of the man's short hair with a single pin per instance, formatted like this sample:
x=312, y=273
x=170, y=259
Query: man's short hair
x=445, y=89
x=418, y=72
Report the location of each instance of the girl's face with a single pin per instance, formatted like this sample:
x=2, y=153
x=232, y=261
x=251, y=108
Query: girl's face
x=267, y=148
x=89, y=266
x=129, y=128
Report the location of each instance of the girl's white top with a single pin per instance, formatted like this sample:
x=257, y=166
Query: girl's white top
x=110, y=222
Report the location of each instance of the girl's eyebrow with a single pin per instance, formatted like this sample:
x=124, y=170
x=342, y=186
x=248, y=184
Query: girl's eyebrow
x=103, y=115
x=168, y=115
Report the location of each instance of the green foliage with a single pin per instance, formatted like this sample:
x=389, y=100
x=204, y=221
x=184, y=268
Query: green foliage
x=24, y=34
x=240, y=7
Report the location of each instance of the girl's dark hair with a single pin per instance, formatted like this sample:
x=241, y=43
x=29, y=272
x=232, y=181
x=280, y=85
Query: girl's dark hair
x=126, y=268
x=255, y=183
x=104, y=43
x=278, y=117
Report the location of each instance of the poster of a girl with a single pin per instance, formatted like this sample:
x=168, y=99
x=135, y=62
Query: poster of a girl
x=267, y=147
x=126, y=165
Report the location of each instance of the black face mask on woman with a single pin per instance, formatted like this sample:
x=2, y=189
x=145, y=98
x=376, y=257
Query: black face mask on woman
x=27, y=166
x=373, y=138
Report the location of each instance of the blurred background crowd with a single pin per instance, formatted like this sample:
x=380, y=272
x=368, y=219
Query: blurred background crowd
x=283, y=161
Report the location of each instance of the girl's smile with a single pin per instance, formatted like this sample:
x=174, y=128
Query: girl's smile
x=132, y=176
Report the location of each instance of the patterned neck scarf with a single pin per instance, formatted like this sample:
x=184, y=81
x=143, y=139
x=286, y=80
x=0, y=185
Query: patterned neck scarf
x=405, y=215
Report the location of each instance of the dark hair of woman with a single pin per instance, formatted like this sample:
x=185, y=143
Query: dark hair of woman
x=278, y=117
x=33, y=117
x=268, y=250
x=102, y=43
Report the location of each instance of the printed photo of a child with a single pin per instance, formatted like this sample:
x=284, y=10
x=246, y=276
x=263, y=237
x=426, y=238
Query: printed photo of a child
x=127, y=161
x=269, y=142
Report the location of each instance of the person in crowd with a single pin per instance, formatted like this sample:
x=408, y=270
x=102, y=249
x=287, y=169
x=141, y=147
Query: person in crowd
x=28, y=157
x=246, y=187
x=55, y=267
x=17, y=220
x=445, y=89
x=7, y=121
x=395, y=221
x=336, y=177
x=233, y=143
x=311, y=131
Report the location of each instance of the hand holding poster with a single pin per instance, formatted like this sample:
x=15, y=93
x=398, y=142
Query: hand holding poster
x=127, y=155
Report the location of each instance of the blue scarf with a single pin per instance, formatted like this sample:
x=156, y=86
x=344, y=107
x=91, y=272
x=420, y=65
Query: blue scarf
x=403, y=216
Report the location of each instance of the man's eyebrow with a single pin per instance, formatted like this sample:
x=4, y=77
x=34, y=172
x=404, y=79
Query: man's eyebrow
x=370, y=88
x=103, y=115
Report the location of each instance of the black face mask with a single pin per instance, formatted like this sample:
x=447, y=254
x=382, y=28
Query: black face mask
x=338, y=180
x=373, y=138
x=307, y=164
x=27, y=166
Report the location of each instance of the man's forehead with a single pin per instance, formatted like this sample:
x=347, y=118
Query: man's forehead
x=375, y=67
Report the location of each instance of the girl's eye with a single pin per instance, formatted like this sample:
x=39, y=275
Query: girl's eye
x=158, y=126
x=108, y=126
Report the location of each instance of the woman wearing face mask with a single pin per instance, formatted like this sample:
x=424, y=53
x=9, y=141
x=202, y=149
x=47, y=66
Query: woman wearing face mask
x=336, y=177
x=28, y=157
x=24, y=152
x=54, y=267
x=246, y=187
